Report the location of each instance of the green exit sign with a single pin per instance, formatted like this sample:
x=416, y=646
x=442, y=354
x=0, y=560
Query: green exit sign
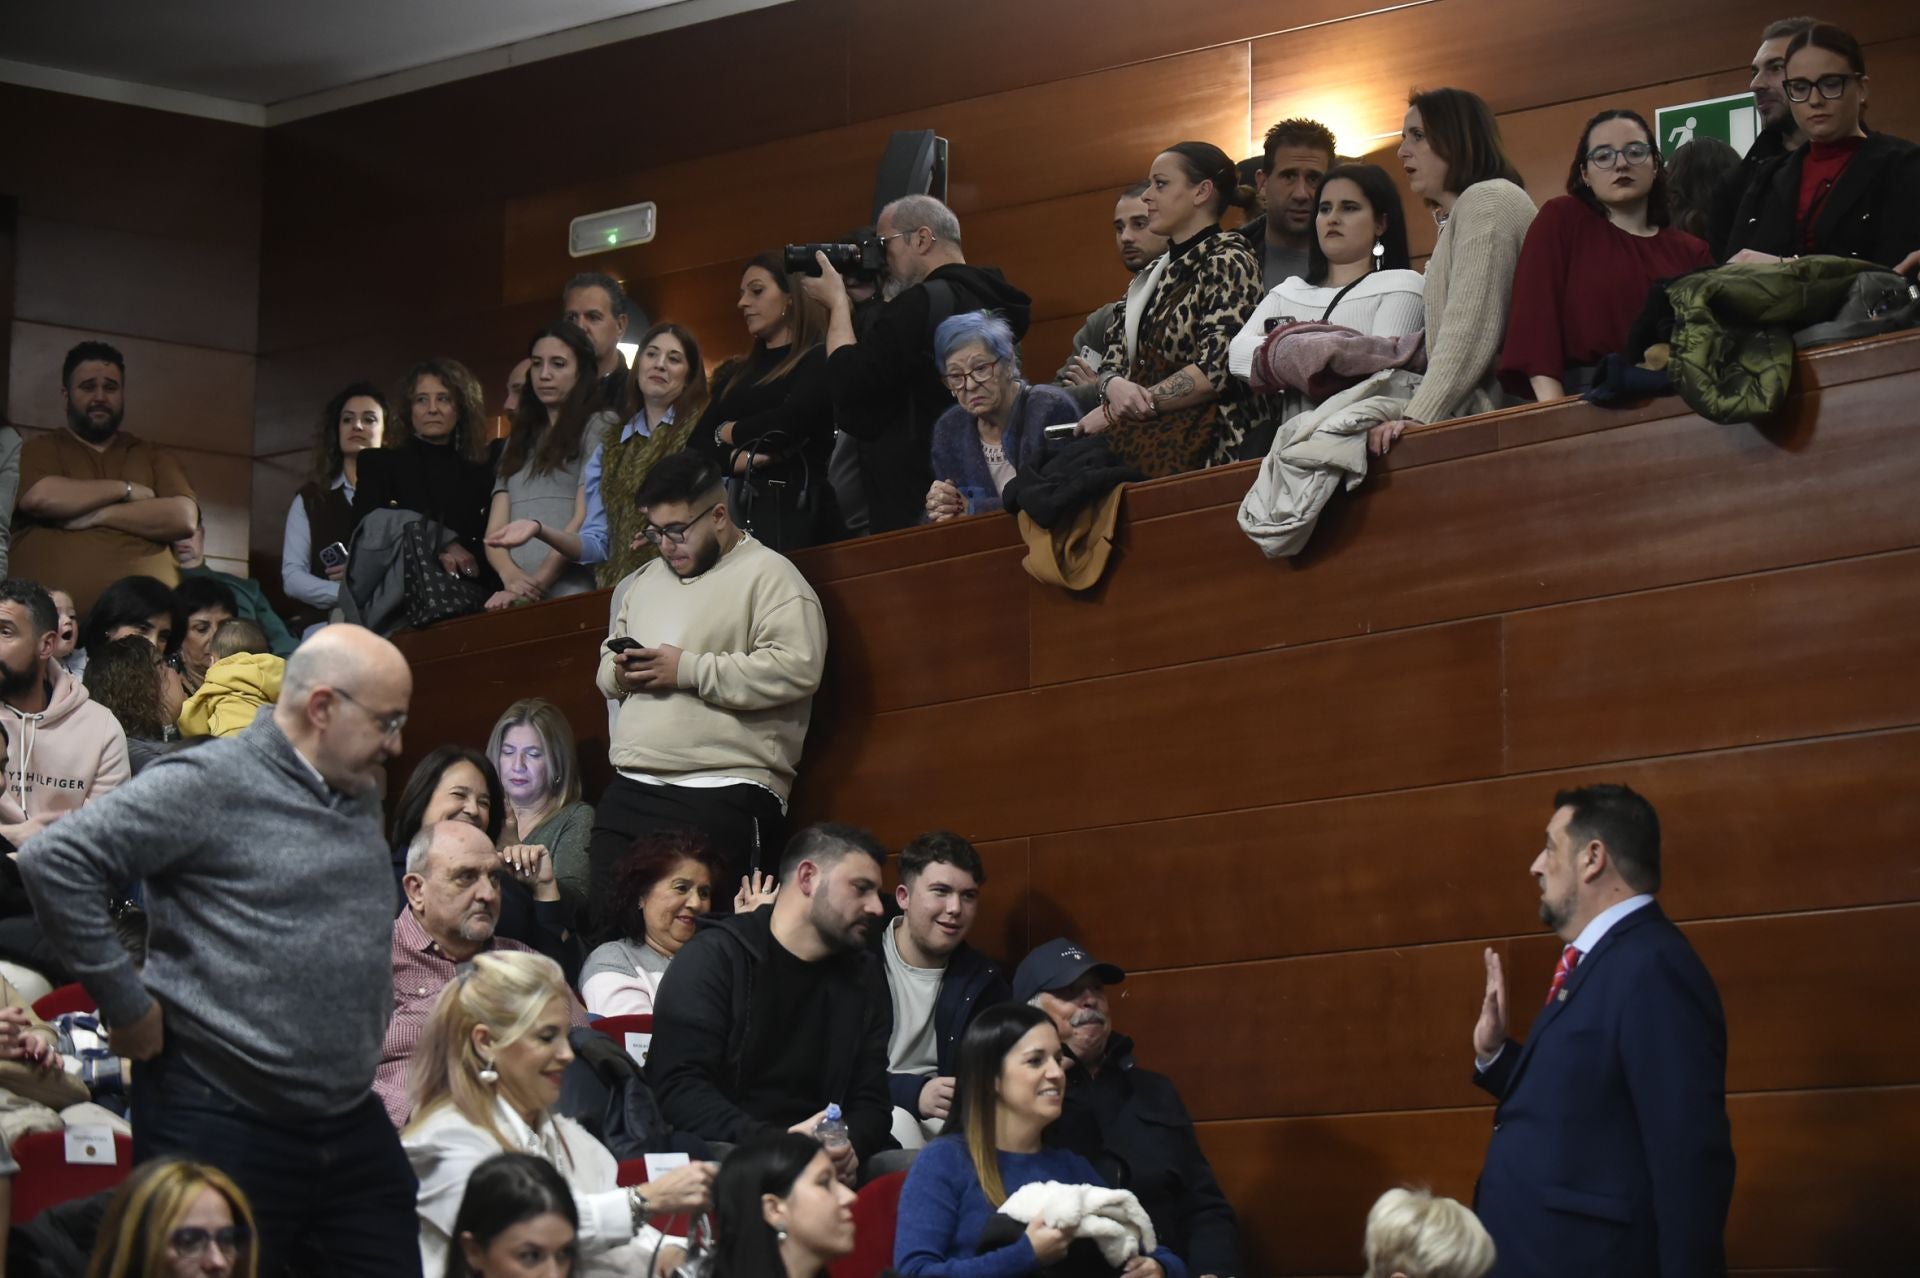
x=1733, y=120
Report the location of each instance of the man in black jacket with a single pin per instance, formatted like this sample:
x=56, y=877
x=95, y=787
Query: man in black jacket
x=1779, y=134
x=1127, y=1121
x=886, y=389
x=764, y=1019
x=937, y=983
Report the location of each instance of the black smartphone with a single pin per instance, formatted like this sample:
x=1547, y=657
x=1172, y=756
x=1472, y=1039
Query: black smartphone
x=622, y=643
x=332, y=555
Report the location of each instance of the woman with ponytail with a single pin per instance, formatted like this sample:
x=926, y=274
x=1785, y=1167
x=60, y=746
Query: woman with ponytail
x=1167, y=400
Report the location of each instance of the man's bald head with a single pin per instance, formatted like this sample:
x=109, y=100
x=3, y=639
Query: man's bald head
x=453, y=884
x=343, y=702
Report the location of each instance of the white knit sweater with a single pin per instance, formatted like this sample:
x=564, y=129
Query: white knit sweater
x=1469, y=291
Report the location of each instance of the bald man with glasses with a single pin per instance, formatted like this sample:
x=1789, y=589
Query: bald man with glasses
x=714, y=654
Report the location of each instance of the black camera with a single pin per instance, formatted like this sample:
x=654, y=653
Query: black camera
x=863, y=257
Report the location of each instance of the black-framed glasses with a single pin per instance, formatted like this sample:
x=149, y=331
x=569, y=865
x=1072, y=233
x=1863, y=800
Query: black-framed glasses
x=390, y=725
x=192, y=1242
x=1607, y=157
x=977, y=375
x=675, y=533
x=1830, y=86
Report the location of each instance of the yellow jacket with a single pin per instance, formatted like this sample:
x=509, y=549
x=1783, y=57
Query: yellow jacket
x=231, y=695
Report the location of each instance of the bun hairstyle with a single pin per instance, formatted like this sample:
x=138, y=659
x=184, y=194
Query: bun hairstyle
x=1205, y=162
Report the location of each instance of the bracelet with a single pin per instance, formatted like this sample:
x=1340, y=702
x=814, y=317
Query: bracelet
x=637, y=1206
x=718, y=441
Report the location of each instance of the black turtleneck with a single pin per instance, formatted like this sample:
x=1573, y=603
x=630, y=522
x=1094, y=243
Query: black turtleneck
x=1178, y=249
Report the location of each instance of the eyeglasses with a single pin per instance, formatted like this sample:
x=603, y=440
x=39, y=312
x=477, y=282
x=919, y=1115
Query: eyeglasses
x=389, y=725
x=1830, y=86
x=192, y=1243
x=1607, y=157
x=978, y=375
x=675, y=533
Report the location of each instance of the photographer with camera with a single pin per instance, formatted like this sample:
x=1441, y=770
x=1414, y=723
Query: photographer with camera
x=770, y=421
x=887, y=390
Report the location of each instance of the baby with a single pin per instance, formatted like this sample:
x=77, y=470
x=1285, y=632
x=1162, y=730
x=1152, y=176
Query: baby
x=244, y=677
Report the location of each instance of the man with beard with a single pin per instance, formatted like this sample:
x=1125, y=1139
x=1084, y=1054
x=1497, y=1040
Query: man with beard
x=1138, y=247
x=886, y=388
x=453, y=905
x=1779, y=132
x=1127, y=1121
x=763, y=1019
x=1610, y=1151
x=255, y=1025
x=713, y=657
x=97, y=504
x=62, y=749
x=1296, y=156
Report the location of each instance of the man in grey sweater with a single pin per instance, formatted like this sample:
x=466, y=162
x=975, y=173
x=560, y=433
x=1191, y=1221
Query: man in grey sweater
x=256, y=1024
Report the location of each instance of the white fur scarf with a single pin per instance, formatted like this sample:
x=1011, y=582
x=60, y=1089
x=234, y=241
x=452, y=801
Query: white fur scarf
x=1113, y=1218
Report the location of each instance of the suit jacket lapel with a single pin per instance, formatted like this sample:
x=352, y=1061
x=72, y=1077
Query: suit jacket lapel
x=1575, y=979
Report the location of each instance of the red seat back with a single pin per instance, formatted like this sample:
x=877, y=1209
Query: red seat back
x=633, y=1171
x=47, y=1179
x=876, y=1208
x=618, y=1027
x=68, y=998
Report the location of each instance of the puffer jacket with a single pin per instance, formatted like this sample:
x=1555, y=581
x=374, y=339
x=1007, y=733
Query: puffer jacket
x=1733, y=326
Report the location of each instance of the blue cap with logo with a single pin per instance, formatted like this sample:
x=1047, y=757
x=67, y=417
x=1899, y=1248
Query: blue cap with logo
x=1056, y=965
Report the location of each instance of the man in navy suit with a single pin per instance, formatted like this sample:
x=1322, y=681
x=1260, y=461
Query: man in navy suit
x=1610, y=1152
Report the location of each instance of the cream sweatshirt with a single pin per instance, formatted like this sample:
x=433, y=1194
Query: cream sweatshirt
x=1468, y=293
x=754, y=643
x=70, y=754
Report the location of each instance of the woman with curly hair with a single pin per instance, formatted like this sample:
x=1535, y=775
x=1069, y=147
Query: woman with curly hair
x=659, y=891
x=436, y=460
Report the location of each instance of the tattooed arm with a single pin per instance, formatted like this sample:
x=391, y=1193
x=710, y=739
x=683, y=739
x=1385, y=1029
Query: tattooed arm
x=1187, y=388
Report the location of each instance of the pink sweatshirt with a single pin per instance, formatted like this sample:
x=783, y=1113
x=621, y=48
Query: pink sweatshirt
x=69, y=754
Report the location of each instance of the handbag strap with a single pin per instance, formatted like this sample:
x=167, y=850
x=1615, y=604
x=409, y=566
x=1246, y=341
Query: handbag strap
x=1336, y=299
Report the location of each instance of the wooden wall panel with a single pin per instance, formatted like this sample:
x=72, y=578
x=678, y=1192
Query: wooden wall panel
x=1432, y=717
x=1013, y=148
x=1607, y=520
x=187, y=396
x=1824, y=1181
x=1060, y=252
x=177, y=291
x=1314, y=878
x=1801, y=652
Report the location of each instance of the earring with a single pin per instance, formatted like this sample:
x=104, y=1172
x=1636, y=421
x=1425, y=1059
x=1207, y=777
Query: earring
x=488, y=1074
x=780, y=1232
x=1379, y=254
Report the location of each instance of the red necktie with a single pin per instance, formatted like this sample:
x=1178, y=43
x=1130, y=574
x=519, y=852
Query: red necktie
x=1569, y=959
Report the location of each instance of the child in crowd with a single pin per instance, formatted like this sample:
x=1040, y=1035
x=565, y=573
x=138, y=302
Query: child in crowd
x=244, y=676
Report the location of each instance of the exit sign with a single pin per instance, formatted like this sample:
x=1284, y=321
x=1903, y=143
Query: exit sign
x=1733, y=120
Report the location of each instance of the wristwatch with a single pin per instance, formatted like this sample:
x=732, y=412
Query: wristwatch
x=637, y=1205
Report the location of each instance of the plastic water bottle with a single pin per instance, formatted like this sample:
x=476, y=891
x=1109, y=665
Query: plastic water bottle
x=831, y=1131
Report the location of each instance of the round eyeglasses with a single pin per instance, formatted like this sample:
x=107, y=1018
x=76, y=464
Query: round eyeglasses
x=1607, y=157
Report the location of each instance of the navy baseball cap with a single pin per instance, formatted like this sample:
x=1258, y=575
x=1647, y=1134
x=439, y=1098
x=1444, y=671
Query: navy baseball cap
x=1056, y=965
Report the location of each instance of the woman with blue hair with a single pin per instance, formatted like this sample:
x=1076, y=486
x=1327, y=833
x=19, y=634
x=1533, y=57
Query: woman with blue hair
x=997, y=426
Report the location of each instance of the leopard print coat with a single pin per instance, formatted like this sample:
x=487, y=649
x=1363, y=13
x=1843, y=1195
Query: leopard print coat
x=1203, y=300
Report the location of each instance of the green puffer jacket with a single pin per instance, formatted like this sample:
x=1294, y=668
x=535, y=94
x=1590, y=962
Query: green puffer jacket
x=1733, y=330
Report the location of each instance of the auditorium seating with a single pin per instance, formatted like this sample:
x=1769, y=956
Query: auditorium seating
x=1295, y=799
x=67, y=998
x=47, y=1179
x=875, y=1210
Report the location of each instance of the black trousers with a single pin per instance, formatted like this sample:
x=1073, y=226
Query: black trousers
x=742, y=822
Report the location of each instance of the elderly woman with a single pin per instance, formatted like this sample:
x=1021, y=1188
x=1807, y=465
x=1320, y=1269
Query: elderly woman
x=661, y=887
x=485, y=1079
x=998, y=425
x=781, y=1212
x=532, y=750
x=173, y=1218
x=1412, y=1234
x=1008, y=1090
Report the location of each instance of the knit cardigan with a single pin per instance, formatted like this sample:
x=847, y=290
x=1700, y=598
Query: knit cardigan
x=959, y=457
x=1468, y=293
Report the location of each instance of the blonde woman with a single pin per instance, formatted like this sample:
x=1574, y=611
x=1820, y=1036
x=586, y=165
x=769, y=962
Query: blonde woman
x=485, y=1079
x=1008, y=1088
x=1412, y=1234
x=533, y=751
x=175, y=1219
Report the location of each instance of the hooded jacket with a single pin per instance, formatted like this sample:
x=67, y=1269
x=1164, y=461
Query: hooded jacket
x=69, y=754
x=887, y=392
x=970, y=985
x=232, y=693
x=705, y=1020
